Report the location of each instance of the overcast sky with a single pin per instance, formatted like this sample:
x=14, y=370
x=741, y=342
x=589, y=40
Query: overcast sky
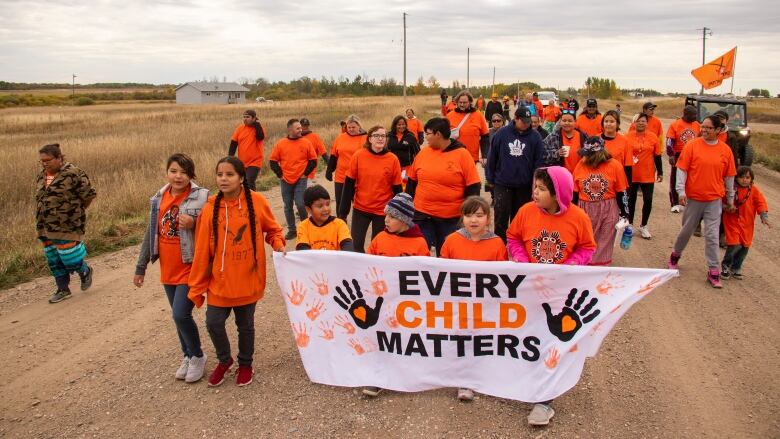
x=650, y=44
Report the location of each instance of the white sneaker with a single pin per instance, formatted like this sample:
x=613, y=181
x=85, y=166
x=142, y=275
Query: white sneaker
x=540, y=415
x=676, y=208
x=181, y=372
x=645, y=232
x=195, y=369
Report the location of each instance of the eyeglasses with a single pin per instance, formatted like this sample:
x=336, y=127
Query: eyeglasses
x=496, y=120
x=379, y=136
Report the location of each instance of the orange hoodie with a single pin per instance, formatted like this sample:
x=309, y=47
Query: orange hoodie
x=228, y=274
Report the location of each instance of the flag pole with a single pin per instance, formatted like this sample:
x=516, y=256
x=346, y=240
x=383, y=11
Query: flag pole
x=733, y=69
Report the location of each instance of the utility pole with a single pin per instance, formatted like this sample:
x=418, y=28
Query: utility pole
x=705, y=30
x=404, y=56
x=494, y=80
x=468, y=55
x=73, y=87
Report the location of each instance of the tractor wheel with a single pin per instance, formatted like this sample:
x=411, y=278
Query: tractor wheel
x=746, y=157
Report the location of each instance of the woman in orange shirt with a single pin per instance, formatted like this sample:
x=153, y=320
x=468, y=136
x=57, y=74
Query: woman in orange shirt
x=615, y=143
x=346, y=144
x=600, y=184
x=414, y=125
x=468, y=126
x=229, y=265
x=373, y=178
x=646, y=155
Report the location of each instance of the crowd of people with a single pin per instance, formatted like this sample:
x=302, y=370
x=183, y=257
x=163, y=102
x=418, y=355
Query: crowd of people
x=559, y=181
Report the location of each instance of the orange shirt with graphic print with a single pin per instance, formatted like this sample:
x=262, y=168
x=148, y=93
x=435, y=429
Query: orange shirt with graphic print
x=442, y=177
x=472, y=130
x=172, y=270
x=550, y=239
x=591, y=127
x=319, y=148
x=707, y=167
x=619, y=149
x=574, y=143
x=343, y=148
x=682, y=132
x=600, y=183
x=374, y=175
x=390, y=244
x=644, y=146
x=457, y=246
x=250, y=150
x=328, y=236
x=293, y=156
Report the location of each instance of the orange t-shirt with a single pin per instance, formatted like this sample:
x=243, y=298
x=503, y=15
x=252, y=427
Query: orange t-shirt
x=457, y=246
x=574, y=144
x=551, y=113
x=328, y=236
x=550, y=239
x=600, y=183
x=707, y=167
x=644, y=147
x=442, y=177
x=415, y=126
x=740, y=225
x=343, y=148
x=390, y=244
x=723, y=136
x=682, y=132
x=172, y=270
x=374, y=175
x=619, y=149
x=250, y=150
x=319, y=148
x=471, y=131
x=591, y=127
x=293, y=156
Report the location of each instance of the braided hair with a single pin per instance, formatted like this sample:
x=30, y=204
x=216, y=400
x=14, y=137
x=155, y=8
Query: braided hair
x=241, y=171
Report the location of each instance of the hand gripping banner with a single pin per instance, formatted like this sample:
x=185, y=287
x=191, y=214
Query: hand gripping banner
x=517, y=331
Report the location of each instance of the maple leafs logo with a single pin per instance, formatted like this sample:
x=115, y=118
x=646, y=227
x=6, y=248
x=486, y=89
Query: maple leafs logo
x=516, y=148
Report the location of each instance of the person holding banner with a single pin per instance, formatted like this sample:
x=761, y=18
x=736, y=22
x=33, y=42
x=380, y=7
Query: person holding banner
x=229, y=265
x=373, y=178
x=401, y=237
x=441, y=177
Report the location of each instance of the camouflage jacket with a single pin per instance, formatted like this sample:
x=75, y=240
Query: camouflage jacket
x=60, y=212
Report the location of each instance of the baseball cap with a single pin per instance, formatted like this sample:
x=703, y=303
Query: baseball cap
x=591, y=103
x=523, y=113
x=648, y=105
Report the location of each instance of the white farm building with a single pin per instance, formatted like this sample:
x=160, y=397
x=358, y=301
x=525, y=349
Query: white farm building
x=211, y=93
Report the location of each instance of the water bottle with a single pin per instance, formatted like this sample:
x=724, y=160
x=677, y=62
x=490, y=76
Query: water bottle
x=625, y=240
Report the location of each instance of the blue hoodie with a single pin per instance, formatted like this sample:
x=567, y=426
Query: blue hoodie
x=514, y=156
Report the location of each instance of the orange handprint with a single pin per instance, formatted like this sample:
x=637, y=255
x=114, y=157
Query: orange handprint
x=378, y=285
x=301, y=335
x=609, y=283
x=573, y=348
x=344, y=322
x=356, y=346
x=552, y=359
x=314, y=311
x=321, y=282
x=369, y=344
x=298, y=293
x=392, y=322
x=327, y=330
x=540, y=286
x=650, y=285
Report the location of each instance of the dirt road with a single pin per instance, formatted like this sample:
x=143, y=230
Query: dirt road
x=687, y=361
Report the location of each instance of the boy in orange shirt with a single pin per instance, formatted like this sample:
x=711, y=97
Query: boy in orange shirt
x=401, y=237
x=229, y=265
x=321, y=230
x=292, y=159
x=247, y=141
x=590, y=119
x=739, y=224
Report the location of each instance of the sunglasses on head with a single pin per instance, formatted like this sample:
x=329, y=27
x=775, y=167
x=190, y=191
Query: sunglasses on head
x=572, y=112
x=497, y=120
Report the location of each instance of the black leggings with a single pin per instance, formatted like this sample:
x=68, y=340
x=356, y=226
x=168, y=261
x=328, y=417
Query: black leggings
x=338, y=187
x=360, y=223
x=647, y=201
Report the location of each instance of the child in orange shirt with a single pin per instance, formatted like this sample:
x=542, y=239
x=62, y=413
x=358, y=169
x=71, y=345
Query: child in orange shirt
x=739, y=224
x=401, y=237
x=321, y=230
x=229, y=265
x=474, y=242
x=169, y=237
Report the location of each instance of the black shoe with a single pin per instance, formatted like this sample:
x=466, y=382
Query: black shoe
x=86, y=280
x=291, y=235
x=59, y=296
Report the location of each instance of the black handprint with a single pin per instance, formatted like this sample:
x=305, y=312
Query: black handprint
x=363, y=315
x=567, y=322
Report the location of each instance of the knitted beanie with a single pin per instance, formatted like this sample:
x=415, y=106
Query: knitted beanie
x=401, y=207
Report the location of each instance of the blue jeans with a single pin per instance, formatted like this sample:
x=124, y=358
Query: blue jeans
x=734, y=257
x=182, y=316
x=435, y=230
x=293, y=193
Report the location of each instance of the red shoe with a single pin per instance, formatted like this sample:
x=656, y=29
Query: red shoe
x=218, y=376
x=244, y=375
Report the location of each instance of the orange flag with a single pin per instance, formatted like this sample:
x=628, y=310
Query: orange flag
x=713, y=73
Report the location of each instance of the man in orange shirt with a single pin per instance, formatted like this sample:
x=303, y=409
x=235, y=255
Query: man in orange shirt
x=292, y=159
x=590, y=120
x=468, y=126
x=680, y=132
x=247, y=140
x=316, y=142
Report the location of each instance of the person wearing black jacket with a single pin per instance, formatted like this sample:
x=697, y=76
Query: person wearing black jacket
x=493, y=107
x=402, y=143
x=516, y=152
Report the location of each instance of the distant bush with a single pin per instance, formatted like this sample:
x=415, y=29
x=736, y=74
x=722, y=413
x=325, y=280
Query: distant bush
x=84, y=101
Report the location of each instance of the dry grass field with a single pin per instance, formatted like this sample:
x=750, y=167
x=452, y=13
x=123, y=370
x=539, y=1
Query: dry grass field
x=123, y=149
x=67, y=91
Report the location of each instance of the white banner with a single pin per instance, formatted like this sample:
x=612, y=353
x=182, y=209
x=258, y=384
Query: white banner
x=517, y=331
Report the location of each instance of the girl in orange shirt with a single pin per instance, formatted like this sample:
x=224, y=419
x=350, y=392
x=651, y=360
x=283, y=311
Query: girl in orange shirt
x=229, y=265
x=615, y=143
x=346, y=144
x=373, y=177
x=646, y=153
x=169, y=237
x=600, y=184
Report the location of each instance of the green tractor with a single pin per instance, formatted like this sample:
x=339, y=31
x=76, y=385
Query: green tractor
x=739, y=131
